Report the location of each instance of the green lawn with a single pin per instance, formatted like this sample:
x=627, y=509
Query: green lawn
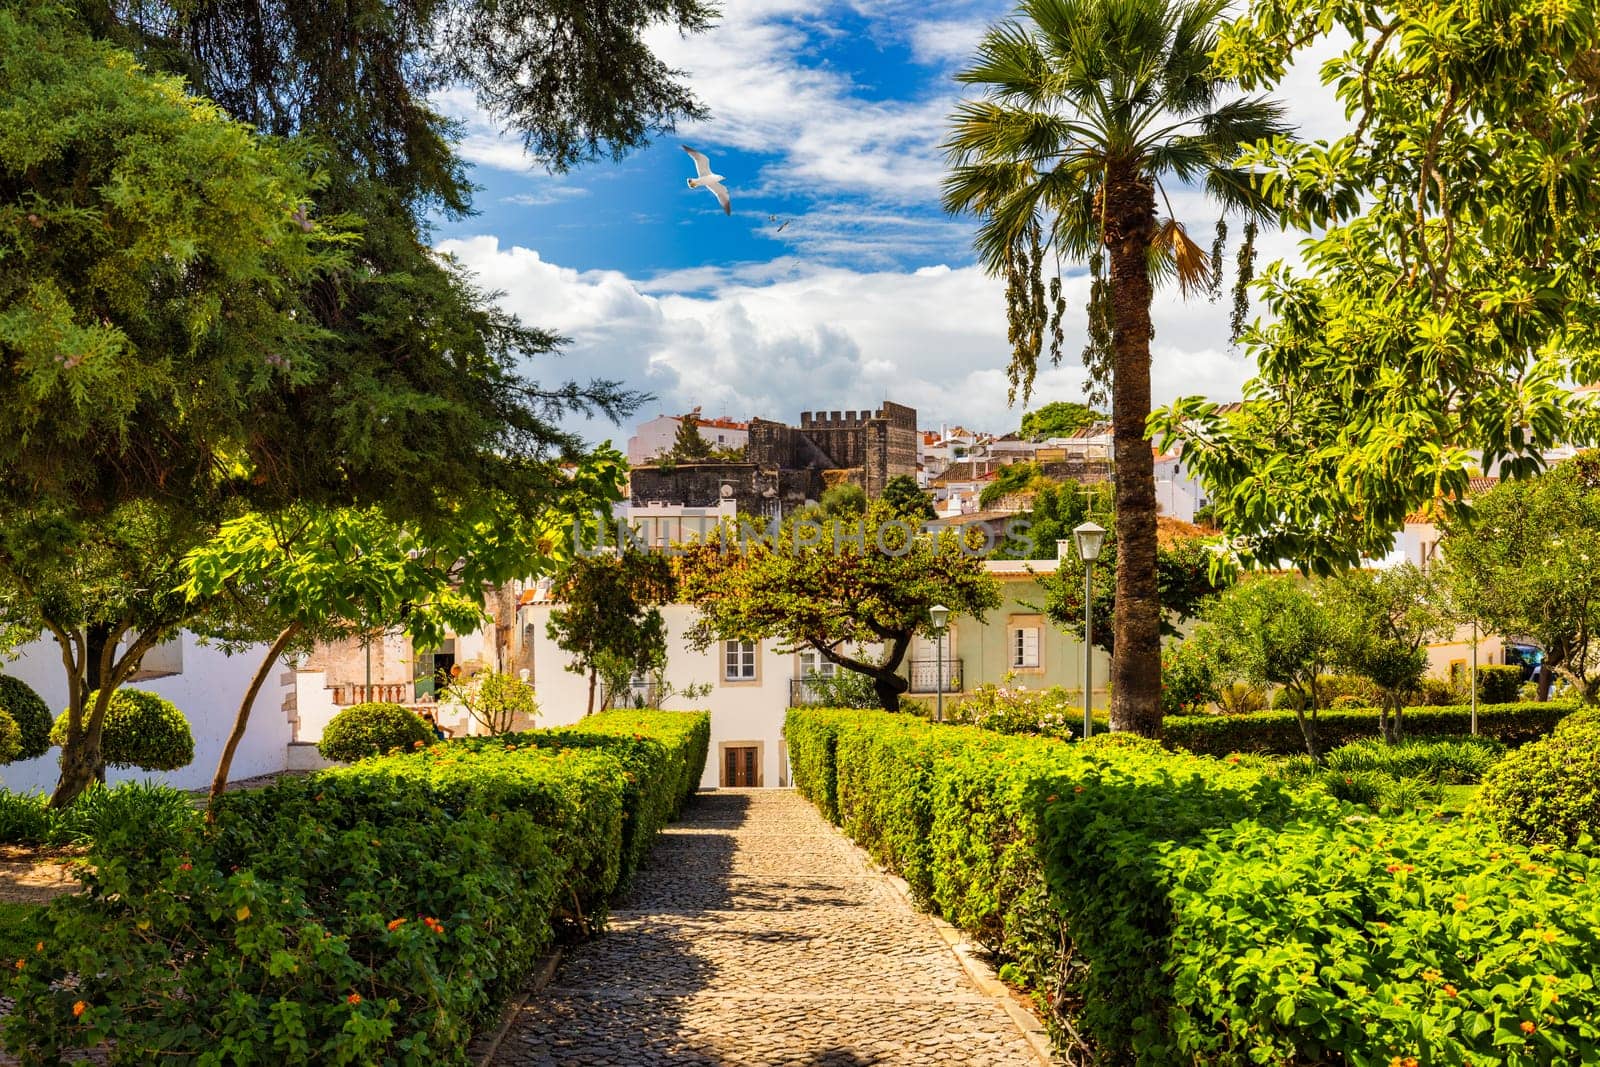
x=19, y=929
x=1456, y=797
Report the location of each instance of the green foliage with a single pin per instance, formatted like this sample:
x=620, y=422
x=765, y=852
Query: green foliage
x=1443, y=305
x=904, y=497
x=141, y=730
x=609, y=619
x=842, y=689
x=1520, y=563
x=1498, y=683
x=1549, y=791
x=100, y=811
x=1331, y=688
x=835, y=587
x=362, y=731
x=1441, y=761
x=10, y=737
x=1188, y=679
x=1058, y=418
x=31, y=714
x=843, y=501
x=20, y=928
x=1056, y=510
x=1011, y=479
x=25, y=818
x=1177, y=909
x=495, y=700
x=1189, y=575
x=1383, y=622
x=688, y=445
x=1579, y=720
x=1279, y=731
x=380, y=913
x=1010, y=708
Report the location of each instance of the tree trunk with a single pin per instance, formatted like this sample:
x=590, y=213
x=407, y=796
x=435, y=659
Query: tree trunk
x=1308, y=732
x=242, y=719
x=590, y=709
x=886, y=680
x=1130, y=227
x=81, y=765
x=1546, y=677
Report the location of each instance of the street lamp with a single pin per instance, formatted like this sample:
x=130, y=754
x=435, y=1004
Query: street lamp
x=938, y=614
x=1089, y=537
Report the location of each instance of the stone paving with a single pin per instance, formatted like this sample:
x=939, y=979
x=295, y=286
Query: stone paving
x=756, y=936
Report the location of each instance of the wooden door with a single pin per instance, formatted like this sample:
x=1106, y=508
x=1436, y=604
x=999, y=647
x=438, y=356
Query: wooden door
x=739, y=767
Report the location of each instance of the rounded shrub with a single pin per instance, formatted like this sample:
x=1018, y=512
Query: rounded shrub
x=31, y=713
x=1580, y=719
x=1548, y=791
x=141, y=730
x=363, y=730
x=1498, y=683
x=10, y=737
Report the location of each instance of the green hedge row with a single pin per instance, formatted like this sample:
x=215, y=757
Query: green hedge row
x=1177, y=909
x=1278, y=732
x=377, y=913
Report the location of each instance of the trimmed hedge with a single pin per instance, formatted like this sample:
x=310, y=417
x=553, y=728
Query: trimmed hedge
x=372, y=729
x=378, y=913
x=10, y=737
x=31, y=713
x=1278, y=733
x=1214, y=914
x=1549, y=791
x=141, y=729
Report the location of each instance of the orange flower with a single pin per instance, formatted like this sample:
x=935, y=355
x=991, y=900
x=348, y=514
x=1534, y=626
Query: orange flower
x=21, y=964
x=1430, y=975
x=39, y=947
x=1528, y=1027
x=353, y=998
x=417, y=744
x=1549, y=937
x=395, y=924
x=1449, y=990
x=78, y=1009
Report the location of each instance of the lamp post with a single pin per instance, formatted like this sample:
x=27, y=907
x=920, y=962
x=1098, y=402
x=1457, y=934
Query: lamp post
x=1089, y=537
x=938, y=614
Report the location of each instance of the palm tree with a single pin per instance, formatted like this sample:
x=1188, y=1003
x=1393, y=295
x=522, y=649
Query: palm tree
x=1088, y=106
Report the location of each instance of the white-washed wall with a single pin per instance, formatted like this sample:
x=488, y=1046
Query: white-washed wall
x=207, y=691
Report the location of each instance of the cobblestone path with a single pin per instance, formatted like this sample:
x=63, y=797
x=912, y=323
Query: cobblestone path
x=757, y=937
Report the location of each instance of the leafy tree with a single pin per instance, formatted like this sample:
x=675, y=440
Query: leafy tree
x=841, y=587
x=904, y=497
x=1088, y=107
x=494, y=699
x=1272, y=630
x=687, y=444
x=1059, y=418
x=1523, y=563
x=1013, y=478
x=1057, y=509
x=1385, y=620
x=610, y=616
x=1189, y=573
x=1449, y=281
x=843, y=501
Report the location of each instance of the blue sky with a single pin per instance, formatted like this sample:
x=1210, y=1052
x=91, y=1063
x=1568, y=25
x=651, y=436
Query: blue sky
x=827, y=115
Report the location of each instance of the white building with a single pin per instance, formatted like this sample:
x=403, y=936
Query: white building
x=650, y=439
x=204, y=682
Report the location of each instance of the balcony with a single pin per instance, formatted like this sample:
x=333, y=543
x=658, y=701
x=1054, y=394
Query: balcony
x=924, y=676
x=805, y=691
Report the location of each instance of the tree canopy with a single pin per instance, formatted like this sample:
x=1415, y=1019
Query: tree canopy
x=609, y=619
x=903, y=496
x=1523, y=563
x=1189, y=573
x=1449, y=282
x=1384, y=621
x=856, y=590
x=1059, y=418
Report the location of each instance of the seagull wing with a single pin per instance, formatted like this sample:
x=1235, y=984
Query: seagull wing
x=721, y=193
x=702, y=165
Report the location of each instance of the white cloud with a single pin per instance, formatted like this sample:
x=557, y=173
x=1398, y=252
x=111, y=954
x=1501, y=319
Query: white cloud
x=822, y=337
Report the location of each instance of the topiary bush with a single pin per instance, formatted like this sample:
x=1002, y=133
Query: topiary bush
x=1580, y=718
x=1548, y=792
x=10, y=737
x=364, y=730
x=1498, y=684
x=31, y=713
x=141, y=730
x=1330, y=689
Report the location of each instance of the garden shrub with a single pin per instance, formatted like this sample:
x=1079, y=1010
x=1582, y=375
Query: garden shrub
x=1279, y=732
x=1330, y=689
x=10, y=737
x=141, y=729
x=1548, y=791
x=24, y=818
x=378, y=913
x=161, y=813
x=1181, y=909
x=31, y=713
x=1498, y=683
x=1440, y=761
x=364, y=730
x=1578, y=719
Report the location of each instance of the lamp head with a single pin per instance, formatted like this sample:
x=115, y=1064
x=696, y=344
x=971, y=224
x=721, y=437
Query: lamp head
x=1090, y=537
x=938, y=614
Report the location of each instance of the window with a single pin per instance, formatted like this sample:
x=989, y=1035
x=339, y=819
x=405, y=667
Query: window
x=738, y=661
x=1024, y=647
x=813, y=665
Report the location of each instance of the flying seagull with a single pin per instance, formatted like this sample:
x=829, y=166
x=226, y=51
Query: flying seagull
x=705, y=179
x=781, y=225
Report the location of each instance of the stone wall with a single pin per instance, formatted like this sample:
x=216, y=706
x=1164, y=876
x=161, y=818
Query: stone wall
x=760, y=489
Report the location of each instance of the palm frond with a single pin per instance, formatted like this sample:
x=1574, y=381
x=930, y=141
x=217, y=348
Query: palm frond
x=1175, y=254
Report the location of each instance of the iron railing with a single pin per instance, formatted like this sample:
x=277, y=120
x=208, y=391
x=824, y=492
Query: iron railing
x=804, y=691
x=923, y=675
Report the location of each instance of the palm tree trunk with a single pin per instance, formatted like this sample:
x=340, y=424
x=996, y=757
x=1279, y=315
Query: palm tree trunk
x=1130, y=227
